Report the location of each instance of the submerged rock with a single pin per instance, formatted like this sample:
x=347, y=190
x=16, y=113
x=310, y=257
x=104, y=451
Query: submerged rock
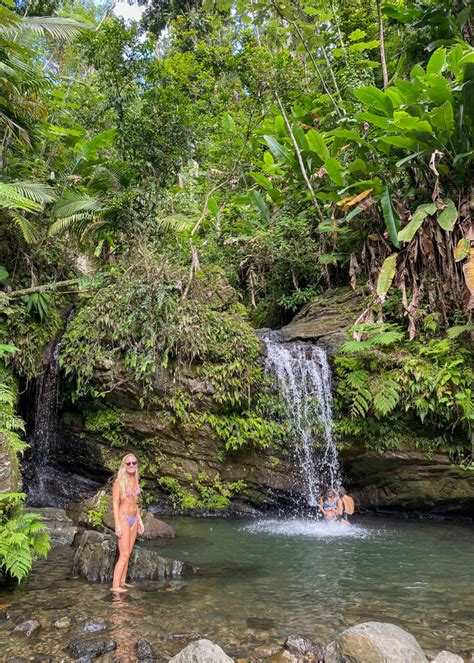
x=95, y=558
x=60, y=527
x=447, y=657
x=202, y=651
x=284, y=656
x=62, y=623
x=28, y=628
x=374, y=642
x=94, y=626
x=144, y=650
x=299, y=646
x=91, y=647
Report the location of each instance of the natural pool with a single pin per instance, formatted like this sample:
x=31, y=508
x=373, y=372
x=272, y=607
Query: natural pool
x=263, y=580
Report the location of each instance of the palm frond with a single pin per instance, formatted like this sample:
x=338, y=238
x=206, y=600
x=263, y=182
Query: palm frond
x=77, y=202
x=36, y=191
x=12, y=199
x=57, y=27
x=177, y=223
x=27, y=227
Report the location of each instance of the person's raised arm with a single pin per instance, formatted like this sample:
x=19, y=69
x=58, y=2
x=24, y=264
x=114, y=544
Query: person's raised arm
x=116, y=507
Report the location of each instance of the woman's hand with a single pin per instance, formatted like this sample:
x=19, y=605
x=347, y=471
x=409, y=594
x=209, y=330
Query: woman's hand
x=141, y=526
x=118, y=531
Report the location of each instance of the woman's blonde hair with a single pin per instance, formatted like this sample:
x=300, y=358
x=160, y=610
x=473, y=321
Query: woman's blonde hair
x=123, y=478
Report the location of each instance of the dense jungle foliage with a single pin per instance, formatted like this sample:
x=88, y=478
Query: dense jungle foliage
x=179, y=180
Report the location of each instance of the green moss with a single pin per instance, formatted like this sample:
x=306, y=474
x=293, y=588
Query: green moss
x=108, y=421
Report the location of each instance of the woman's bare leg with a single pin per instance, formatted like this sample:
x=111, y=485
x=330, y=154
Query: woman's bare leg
x=131, y=542
x=124, y=556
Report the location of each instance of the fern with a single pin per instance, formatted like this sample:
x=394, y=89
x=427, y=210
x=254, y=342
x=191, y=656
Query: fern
x=386, y=394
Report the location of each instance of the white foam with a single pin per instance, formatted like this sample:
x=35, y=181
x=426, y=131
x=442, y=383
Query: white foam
x=312, y=529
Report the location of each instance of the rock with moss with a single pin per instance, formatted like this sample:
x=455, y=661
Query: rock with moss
x=95, y=558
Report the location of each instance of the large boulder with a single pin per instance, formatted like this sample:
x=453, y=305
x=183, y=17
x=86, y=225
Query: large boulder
x=60, y=528
x=326, y=318
x=374, y=642
x=447, y=657
x=201, y=651
x=95, y=559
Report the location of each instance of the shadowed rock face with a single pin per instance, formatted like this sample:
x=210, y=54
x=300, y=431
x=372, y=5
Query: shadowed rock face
x=409, y=481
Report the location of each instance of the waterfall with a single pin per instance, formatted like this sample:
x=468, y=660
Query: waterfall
x=302, y=375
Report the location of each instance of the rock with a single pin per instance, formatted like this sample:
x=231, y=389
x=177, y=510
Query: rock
x=374, y=642
x=17, y=659
x=144, y=650
x=84, y=659
x=298, y=646
x=95, y=559
x=201, y=651
x=326, y=318
x=94, y=626
x=156, y=529
x=62, y=622
x=9, y=470
x=91, y=647
x=408, y=481
x=193, y=635
x=447, y=657
x=27, y=628
x=60, y=528
x=265, y=651
x=284, y=656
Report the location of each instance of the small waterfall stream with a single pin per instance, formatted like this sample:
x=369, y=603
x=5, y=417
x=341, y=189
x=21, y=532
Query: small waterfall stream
x=303, y=379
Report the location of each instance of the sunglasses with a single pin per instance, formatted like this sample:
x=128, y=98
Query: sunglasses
x=132, y=462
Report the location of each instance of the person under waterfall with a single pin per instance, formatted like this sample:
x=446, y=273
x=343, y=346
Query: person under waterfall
x=328, y=505
x=128, y=522
x=345, y=507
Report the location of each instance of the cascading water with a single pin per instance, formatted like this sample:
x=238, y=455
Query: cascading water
x=45, y=431
x=303, y=378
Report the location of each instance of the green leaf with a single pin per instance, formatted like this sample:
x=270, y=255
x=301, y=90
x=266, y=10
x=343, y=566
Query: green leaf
x=229, y=124
x=376, y=120
x=213, y=207
x=442, y=118
x=437, y=62
x=386, y=275
x=300, y=137
x=410, y=157
x=400, y=141
x=261, y=179
x=374, y=98
x=421, y=212
x=3, y=275
x=358, y=34
x=317, y=144
x=259, y=204
x=279, y=151
x=447, y=218
x=404, y=120
x=350, y=134
x=392, y=220
x=334, y=170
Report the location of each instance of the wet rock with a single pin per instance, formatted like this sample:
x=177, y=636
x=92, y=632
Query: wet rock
x=189, y=637
x=91, y=647
x=156, y=529
x=447, y=657
x=144, y=650
x=95, y=559
x=84, y=659
x=62, y=623
x=374, y=642
x=326, y=318
x=201, y=651
x=284, y=656
x=94, y=626
x=298, y=646
x=17, y=659
x=28, y=628
x=265, y=651
x=60, y=527
x=9, y=471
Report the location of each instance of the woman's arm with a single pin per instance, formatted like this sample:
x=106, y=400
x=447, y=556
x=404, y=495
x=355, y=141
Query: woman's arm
x=141, y=526
x=116, y=507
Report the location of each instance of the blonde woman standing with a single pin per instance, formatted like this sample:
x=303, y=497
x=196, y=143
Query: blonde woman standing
x=128, y=521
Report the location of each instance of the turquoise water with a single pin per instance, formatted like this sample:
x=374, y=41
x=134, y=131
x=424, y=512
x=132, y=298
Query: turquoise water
x=260, y=581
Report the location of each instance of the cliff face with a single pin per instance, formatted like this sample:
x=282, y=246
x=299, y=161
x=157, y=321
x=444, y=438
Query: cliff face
x=184, y=462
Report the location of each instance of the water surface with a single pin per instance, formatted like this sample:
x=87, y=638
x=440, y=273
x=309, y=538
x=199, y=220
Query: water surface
x=263, y=580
